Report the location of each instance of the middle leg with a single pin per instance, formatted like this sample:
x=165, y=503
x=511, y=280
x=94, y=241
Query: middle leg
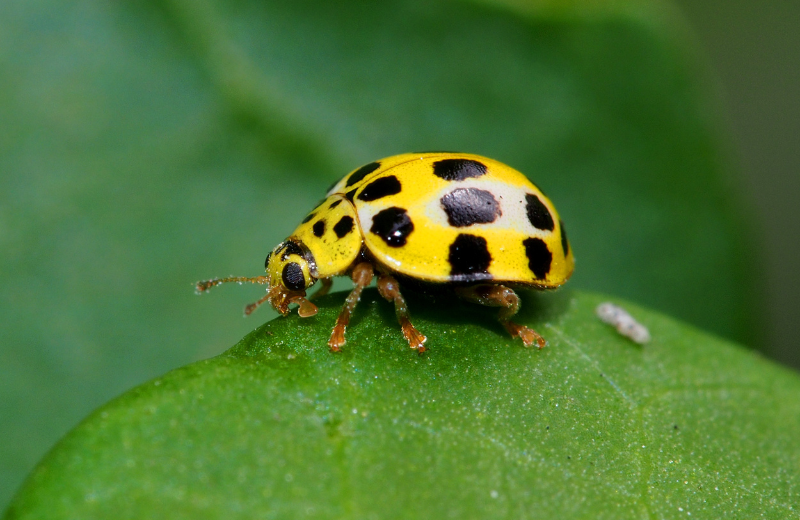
x=390, y=289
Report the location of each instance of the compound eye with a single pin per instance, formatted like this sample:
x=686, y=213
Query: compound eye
x=293, y=278
x=266, y=262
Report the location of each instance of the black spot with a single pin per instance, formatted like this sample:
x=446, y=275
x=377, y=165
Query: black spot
x=468, y=256
x=292, y=277
x=362, y=172
x=343, y=227
x=266, y=262
x=335, y=203
x=564, y=242
x=393, y=226
x=349, y=195
x=319, y=228
x=380, y=188
x=538, y=215
x=468, y=206
x=309, y=217
x=458, y=169
x=290, y=248
x=539, y=257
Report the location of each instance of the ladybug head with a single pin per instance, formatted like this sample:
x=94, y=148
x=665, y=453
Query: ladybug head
x=289, y=273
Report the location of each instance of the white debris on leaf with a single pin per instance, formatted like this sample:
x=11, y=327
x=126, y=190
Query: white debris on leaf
x=624, y=322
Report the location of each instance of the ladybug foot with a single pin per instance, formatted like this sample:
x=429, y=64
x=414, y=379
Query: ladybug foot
x=526, y=334
x=337, y=339
x=416, y=340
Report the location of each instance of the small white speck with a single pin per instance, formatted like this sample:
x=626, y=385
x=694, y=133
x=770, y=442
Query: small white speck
x=680, y=509
x=625, y=324
x=355, y=411
x=494, y=494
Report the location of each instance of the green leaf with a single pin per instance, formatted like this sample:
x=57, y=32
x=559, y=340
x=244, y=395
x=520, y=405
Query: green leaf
x=148, y=144
x=593, y=426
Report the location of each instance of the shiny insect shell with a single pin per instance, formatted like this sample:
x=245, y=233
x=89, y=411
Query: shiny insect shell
x=465, y=221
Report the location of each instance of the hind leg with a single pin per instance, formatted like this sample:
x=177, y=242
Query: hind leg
x=507, y=299
x=390, y=289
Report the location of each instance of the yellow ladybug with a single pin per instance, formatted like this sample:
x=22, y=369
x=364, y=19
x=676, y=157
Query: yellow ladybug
x=451, y=220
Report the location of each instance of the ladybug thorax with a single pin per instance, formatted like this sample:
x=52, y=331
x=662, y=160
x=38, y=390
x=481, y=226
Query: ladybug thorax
x=332, y=237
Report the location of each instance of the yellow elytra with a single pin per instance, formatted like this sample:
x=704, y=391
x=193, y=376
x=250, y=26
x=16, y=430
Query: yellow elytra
x=461, y=221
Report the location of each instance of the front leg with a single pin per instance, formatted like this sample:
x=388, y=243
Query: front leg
x=362, y=275
x=390, y=289
x=505, y=297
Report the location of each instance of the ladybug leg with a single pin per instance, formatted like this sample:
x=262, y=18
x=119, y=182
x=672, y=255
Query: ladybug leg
x=362, y=275
x=327, y=283
x=505, y=297
x=390, y=289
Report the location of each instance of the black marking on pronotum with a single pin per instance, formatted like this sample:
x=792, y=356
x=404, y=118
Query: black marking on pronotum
x=539, y=257
x=564, y=241
x=309, y=217
x=319, y=228
x=393, y=225
x=362, y=172
x=468, y=206
x=266, y=262
x=292, y=277
x=344, y=226
x=335, y=203
x=469, y=257
x=458, y=169
x=379, y=188
x=349, y=195
x=290, y=248
x=538, y=214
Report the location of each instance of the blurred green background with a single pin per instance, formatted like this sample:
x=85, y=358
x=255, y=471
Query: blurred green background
x=754, y=49
x=148, y=144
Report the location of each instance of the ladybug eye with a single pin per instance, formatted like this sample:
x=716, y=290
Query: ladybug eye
x=293, y=277
x=266, y=262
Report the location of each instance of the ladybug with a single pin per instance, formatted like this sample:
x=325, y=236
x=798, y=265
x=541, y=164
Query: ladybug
x=459, y=222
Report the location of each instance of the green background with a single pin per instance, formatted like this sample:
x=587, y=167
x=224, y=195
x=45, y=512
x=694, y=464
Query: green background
x=755, y=48
x=150, y=144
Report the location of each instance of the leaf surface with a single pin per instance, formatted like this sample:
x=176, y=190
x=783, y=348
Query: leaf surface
x=592, y=426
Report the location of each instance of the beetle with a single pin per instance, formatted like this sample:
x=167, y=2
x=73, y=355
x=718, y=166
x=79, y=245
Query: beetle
x=452, y=221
